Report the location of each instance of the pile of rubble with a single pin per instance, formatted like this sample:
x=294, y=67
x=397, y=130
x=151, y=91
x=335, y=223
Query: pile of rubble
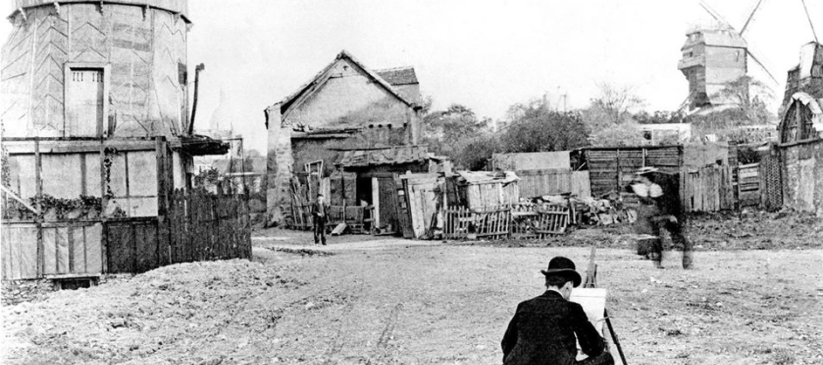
x=156, y=317
x=756, y=230
x=15, y=292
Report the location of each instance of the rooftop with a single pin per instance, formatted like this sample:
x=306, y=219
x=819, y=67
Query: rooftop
x=399, y=75
x=175, y=6
x=384, y=156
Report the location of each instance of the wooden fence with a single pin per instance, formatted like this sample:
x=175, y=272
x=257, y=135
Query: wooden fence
x=534, y=183
x=51, y=249
x=609, y=168
x=531, y=221
x=198, y=226
x=205, y=227
x=748, y=185
x=553, y=221
x=353, y=216
x=518, y=221
x=463, y=223
x=708, y=189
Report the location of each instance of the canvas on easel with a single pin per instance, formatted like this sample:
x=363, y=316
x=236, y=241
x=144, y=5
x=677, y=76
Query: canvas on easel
x=593, y=301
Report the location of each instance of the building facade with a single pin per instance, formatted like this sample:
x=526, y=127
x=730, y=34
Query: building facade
x=346, y=106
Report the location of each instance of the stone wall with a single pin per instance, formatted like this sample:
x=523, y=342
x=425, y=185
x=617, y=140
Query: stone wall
x=803, y=177
x=279, y=161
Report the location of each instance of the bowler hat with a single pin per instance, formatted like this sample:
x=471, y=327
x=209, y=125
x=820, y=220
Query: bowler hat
x=563, y=266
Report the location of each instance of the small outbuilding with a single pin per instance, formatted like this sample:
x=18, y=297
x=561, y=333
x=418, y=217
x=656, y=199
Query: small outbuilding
x=482, y=190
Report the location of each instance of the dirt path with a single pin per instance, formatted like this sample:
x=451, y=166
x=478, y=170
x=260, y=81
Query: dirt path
x=398, y=303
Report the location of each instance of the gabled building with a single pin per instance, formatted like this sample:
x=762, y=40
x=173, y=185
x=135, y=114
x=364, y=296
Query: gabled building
x=346, y=106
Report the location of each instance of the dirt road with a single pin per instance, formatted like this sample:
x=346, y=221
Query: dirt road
x=399, y=303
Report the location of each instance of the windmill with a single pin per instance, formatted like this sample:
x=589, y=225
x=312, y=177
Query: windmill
x=713, y=57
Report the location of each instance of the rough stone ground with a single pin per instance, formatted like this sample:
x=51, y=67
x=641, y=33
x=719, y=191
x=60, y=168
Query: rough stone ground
x=387, y=301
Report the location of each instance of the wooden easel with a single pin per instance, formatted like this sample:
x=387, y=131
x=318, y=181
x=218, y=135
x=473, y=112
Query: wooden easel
x=591, y=282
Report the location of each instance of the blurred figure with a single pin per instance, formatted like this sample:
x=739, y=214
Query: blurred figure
x=661, y=208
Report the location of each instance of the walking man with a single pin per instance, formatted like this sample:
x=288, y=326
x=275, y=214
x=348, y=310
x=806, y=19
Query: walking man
x=544, y=328
x=318, y=211
x=666, y=212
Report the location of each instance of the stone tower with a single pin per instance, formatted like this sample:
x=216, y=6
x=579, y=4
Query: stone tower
x=96, y=69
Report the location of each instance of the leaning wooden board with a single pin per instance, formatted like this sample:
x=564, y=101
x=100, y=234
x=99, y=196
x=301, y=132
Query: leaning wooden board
x=402, y=207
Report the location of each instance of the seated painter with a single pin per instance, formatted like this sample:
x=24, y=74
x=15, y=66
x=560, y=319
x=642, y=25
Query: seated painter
x=544, y=328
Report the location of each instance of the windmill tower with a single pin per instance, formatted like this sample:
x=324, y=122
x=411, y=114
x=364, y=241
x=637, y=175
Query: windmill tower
x=104, y=69
x=714, y=56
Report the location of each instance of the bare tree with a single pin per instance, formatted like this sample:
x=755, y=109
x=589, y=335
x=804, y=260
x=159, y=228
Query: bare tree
x=609, y=117
x=616, y=102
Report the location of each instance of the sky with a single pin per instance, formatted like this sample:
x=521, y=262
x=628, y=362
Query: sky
x=486, y=55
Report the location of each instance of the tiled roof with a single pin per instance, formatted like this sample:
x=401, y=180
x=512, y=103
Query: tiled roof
x=384, y=156
x=399, y=75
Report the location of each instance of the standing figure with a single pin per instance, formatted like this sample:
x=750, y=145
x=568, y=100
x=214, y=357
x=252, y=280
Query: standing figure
x=544, y=328
x=318, y=211
x=664, y=210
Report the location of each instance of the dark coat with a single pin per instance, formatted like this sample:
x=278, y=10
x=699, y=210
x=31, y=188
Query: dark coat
x=319, y=211
x=543, y=332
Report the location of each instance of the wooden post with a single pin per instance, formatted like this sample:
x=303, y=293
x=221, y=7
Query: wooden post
x=375, y=196
x=39, y=217
x=104, y=241
x=162, y=204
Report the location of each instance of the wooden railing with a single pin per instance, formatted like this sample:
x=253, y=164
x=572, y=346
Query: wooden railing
x=521, y=221
x=463, y=223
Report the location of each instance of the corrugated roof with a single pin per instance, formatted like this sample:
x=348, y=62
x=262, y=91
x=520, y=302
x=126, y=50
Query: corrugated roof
x=399, y=75
x=532, y=160
x=481, y=177
x=386, y=156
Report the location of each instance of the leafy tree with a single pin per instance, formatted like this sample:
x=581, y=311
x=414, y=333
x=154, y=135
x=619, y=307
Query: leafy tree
x=475, y=154
x=445, y=131
x=659, y=117
x=618, y=135
x=752, y=109
x=536, y=127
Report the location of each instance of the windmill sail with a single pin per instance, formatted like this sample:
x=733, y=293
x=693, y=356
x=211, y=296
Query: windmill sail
x=751, y=16
x=756, y=60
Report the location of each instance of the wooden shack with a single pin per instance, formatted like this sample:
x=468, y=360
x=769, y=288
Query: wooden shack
x=482, y=190
x=611, y=168
x=544, y=173
x=377, y=174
